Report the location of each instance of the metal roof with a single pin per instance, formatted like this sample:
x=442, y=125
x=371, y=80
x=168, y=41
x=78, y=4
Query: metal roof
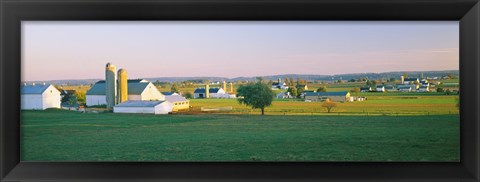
x=34, y=89
x=175, y=98
x=168, y=93
x=410, y=79
x=326, y=93
x=202, y=90
x=134, y=88
x=138, y=103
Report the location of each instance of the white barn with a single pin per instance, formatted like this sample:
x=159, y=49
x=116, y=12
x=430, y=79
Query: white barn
x=39, y=97
x=145, y=107
x=137, y=90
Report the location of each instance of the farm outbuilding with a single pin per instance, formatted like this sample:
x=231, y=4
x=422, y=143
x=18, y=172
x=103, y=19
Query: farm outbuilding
x=179, y=102
x=39, y=97
x=137, y=90
x=333, y=96
x=145, y=107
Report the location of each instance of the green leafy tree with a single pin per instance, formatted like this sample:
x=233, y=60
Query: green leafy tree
x=448, y=92
x=439, y=89
x=81, y=97
x=292, y=90
x=300, y=90
x=257, y=95
x=292, y=82
x=174, y=88
x=188, y=95
x=287, y=82
x=322, y=89
x=392, y=79
x=72, y=101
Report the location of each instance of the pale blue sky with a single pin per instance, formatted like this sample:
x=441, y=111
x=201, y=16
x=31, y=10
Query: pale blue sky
x=79, y=50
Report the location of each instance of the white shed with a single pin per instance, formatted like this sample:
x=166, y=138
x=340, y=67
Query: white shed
x=39, y=97
x=146, y=107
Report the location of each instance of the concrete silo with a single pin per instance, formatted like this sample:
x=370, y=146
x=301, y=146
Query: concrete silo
x=122, y=86
x=224, y=85
x=231, y=87
x=110, y=85
x=207, y=91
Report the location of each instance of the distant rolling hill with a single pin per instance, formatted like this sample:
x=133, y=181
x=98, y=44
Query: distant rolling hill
x=308, y=77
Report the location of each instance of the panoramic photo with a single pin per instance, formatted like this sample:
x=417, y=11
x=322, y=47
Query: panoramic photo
x=363, y=91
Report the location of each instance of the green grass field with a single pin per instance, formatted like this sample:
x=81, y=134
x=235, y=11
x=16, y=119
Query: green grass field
x=58, y=135
x=377, y=104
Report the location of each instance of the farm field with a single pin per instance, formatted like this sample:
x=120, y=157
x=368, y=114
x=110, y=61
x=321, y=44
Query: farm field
x=59, y=135
x=376, y=105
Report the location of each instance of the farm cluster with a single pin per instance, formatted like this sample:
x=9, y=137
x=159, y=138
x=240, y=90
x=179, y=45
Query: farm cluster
x=119, y=94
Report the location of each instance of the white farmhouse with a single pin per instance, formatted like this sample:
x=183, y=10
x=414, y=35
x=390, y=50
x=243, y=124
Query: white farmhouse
x=213, y=93
x=145, y=107
x=39, y=97
x=137, y=90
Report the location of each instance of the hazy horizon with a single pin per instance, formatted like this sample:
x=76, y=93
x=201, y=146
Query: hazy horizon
x=80, y=50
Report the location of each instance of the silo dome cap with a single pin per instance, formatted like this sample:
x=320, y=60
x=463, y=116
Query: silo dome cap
x=122, y=70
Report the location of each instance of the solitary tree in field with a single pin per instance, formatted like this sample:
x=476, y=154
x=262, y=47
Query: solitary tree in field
x=257, y=95
x=329, y=105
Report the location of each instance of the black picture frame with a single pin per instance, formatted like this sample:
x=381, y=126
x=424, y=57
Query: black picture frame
x=12, y=12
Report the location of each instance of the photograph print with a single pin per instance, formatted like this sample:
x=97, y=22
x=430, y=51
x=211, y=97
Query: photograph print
x=242, y=91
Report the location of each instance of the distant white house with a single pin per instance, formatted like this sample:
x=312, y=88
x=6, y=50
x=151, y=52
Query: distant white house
x=380, y=88
x=279, y=85
x=409, y=81
x=284, y=95
x=39, y=97
x=424, y=89
x=365, y=89
x=137, y=90
x=390, y=88
x=405, y=88
x=144, y=107
x=216, y=93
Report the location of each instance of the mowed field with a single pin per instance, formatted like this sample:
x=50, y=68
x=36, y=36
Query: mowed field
x=60, y=135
